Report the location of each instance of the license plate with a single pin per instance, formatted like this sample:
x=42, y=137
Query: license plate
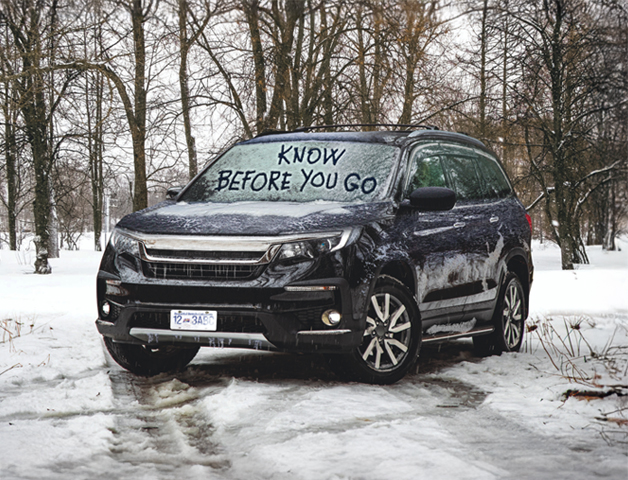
x=194, y=320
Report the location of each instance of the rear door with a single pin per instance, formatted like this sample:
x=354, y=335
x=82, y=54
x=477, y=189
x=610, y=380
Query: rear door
x=495, y=233
x=472, y=278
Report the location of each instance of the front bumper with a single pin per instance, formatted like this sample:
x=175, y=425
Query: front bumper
x=269, y=318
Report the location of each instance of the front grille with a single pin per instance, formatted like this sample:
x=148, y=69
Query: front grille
x=203, y=255
x=226, y=322
x=199, y=272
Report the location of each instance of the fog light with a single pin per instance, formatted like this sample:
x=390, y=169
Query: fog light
x=105, y=308
x=331, y=318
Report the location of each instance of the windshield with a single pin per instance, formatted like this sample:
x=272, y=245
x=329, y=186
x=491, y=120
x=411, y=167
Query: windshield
x=297, y=172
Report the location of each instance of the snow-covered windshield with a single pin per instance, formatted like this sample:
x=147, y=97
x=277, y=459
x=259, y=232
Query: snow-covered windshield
x=300, y=171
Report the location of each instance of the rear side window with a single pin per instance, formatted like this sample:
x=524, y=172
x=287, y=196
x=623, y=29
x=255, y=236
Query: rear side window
x=463, y=176
x=497, y=185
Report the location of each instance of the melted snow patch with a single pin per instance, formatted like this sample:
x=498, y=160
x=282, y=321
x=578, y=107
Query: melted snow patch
x=173, y=393
x=458, y=269
x=463, y=327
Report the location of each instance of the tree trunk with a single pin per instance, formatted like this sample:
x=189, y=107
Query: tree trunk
x=53, y=228
x=328, y=101
x=11, y=170
x=35, y=122
x=140, y=197
x=505, y=129
x=95, y=148
x=483, y=41
x=410, y=56
x=378, y=65
x=33, y=105
x=293, y=114
x=364, y=90
x=251, y=10
x=283, y=50
x=184, y=46
x=611, y=222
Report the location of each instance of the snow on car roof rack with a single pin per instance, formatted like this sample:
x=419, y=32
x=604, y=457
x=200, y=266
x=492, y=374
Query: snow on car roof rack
x=345, y=125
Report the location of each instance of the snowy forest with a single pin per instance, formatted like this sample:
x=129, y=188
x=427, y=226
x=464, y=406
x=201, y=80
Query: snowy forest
x=104, y=105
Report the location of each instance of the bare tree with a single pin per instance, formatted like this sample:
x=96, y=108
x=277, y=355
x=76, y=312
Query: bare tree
x=417, y=28
x=31, y=24
x=9, y=111
x=564, y=41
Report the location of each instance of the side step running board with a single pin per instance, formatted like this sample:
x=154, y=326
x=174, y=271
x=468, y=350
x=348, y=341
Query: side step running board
x=450, y=336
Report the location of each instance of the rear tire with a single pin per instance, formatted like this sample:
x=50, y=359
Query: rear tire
x=148, y=361
x=508, y=319
x=392, y=337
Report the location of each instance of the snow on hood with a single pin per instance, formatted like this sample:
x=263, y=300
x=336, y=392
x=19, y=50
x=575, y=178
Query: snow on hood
x=259, y=209
x=252, y=218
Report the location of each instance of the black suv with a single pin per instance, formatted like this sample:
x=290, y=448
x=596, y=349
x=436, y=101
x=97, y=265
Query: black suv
x=360, y=245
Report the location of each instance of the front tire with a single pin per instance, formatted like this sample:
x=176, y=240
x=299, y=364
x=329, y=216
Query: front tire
x=392, y=337
x=147, y=361
x=508, y=319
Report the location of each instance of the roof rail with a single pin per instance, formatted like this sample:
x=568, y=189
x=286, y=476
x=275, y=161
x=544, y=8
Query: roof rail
x=344, y=125
x=270, y=132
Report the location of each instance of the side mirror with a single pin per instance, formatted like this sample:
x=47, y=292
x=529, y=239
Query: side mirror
x=433, y=199
x=173, y=192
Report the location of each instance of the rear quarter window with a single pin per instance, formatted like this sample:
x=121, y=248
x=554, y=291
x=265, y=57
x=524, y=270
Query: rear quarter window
x=495, y=180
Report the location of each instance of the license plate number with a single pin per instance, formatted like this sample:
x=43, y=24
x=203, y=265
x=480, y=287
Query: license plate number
x=194, y=320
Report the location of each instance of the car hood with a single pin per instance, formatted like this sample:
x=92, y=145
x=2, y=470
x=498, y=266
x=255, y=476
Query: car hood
x=252, y=218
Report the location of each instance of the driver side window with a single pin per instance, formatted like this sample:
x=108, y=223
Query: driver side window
x=429, y=173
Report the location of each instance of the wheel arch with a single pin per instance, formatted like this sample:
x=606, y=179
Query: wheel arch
x=402, y=272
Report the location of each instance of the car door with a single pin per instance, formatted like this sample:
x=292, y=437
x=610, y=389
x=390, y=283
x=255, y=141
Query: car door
x=494, y=233
x=433, y=241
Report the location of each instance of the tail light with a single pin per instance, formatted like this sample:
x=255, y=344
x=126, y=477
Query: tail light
x=529, y=219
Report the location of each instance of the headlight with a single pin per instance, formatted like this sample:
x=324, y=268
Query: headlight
x=313, y=247
x=124, y=243
x=296, y=249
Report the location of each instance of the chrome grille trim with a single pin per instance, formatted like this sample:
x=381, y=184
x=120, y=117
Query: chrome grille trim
x=224, y=244
x=264, y=259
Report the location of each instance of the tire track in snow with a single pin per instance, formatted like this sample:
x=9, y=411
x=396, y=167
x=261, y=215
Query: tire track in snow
x=160, y=426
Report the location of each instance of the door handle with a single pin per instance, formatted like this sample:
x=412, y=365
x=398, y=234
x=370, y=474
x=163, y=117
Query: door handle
x=459, y=224
x=494, y=219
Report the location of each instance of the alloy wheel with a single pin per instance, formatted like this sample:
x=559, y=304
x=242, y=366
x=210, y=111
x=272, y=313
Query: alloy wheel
x=512, y=316
x=388, y=334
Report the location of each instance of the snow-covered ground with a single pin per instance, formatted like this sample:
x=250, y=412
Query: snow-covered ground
x=67, y=411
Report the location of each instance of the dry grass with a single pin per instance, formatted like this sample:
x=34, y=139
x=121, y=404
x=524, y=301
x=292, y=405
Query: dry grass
x=598, y=372
x=573, y=356
x=11, y=328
